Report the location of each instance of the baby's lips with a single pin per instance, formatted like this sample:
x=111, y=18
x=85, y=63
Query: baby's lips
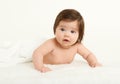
x=66, y=40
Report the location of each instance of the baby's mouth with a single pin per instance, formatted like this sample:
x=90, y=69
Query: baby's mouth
x=65, y=40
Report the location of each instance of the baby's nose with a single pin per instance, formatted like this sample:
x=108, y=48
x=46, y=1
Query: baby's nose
x=67, y=33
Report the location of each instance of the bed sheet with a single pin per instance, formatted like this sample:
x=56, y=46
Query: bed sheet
x=78, y=72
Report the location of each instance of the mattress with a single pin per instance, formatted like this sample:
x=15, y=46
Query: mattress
x=77, y=72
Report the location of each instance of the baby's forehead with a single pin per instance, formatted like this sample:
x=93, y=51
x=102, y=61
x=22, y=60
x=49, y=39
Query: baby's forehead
x=69, y=25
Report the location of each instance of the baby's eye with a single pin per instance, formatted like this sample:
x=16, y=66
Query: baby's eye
x=73, y=32
x=62, y=29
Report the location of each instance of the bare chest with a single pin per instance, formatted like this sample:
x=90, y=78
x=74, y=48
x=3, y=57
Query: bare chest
x=60, y=56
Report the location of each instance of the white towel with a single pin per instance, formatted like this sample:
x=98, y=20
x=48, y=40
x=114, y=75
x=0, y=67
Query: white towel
x=13, y=52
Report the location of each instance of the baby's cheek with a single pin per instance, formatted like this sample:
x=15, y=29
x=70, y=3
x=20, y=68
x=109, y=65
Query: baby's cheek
x=75, y=38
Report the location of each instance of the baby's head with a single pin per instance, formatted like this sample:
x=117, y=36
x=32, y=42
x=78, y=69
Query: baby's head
x=71, y=15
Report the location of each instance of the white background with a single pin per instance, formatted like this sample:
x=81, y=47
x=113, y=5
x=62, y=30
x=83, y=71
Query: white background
x=34, y=19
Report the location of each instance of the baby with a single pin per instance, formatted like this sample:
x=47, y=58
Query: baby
x=69, y=31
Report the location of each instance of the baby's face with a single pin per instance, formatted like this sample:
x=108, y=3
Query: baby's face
x=67, y=33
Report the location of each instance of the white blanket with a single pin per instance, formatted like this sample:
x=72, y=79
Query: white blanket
x=13, y=52
x=78, y=72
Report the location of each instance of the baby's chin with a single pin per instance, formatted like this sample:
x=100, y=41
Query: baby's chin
x=66, y=46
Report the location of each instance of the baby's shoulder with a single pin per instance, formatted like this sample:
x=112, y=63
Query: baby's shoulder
x=49, y=41
x=78, y=45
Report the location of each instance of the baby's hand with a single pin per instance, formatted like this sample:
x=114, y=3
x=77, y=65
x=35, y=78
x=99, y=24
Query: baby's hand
x=95, y=64
x=45, y=69
x=98, y=64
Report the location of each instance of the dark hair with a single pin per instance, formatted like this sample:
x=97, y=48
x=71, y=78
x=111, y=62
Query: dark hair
x=71, y=15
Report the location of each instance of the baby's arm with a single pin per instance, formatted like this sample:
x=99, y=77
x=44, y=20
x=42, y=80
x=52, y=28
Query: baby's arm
x=38, y=55
x=38, y=62
x=88, y=56
x=92, y=60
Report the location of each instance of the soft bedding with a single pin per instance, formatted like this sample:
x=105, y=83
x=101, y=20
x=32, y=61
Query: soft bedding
x=78, y=72
x=16, y=67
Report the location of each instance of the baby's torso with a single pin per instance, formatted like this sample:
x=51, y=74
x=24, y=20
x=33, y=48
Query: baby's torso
x=60, y=56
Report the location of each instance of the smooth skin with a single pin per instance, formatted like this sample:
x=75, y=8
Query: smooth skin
x=62, y=48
